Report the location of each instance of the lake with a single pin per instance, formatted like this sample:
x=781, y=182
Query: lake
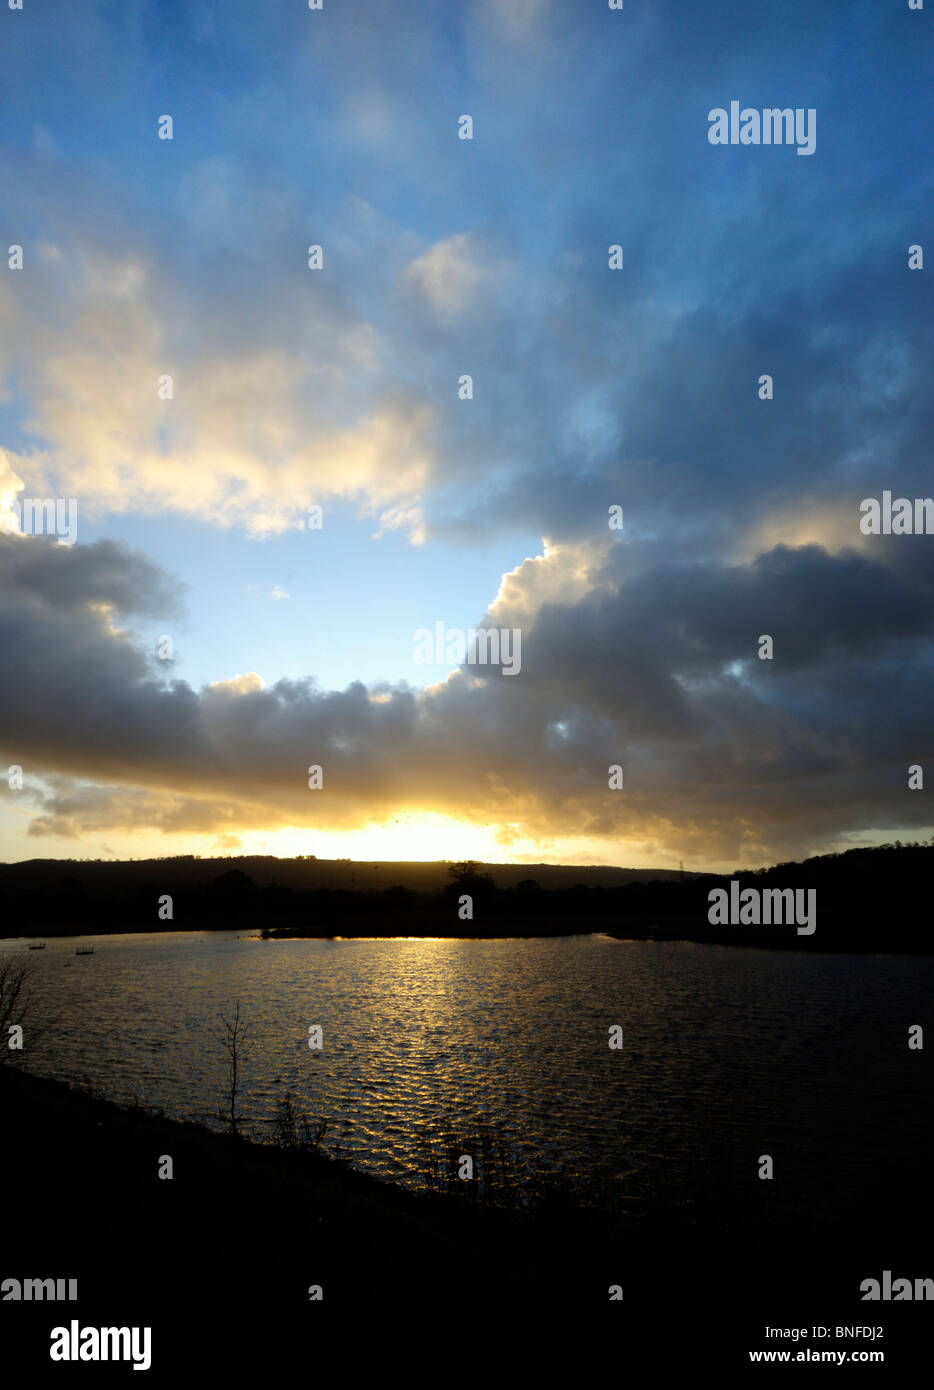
x=728, y=1053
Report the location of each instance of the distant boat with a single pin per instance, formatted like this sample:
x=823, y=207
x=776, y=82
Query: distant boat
x=40, y=946
x=84, y=950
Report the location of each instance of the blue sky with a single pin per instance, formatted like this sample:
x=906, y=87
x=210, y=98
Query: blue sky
x=316, y=628
x=339, y=387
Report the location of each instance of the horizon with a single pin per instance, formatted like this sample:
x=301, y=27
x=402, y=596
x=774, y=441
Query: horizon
x=479, y=863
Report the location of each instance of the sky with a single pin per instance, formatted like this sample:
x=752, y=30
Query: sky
x=340, y=388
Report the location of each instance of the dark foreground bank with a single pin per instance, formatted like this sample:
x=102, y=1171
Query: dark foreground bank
x=220, y=1260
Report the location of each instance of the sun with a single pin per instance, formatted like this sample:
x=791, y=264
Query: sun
x=407, y=836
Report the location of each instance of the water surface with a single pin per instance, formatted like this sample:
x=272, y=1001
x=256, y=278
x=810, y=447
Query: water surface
x=728, y=1052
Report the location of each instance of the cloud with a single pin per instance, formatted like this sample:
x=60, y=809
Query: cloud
x=239, y=685
x=450, y=275
x=11, y=485
x=591, y=388
x=725, y=756
x=256, y=430
x=517, y=21
x=563, y=574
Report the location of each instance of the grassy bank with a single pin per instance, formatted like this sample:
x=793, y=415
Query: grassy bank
x=220, y=1259
x=302, y=1218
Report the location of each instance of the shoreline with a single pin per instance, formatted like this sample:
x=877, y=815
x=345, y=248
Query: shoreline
x=732, y=937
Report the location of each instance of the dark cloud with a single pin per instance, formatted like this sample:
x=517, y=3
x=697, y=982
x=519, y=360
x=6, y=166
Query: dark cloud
x=724, y=755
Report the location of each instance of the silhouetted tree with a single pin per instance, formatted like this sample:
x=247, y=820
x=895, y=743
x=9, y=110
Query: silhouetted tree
x=14, y=1002
x=232, y=885
x=237, y=1044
